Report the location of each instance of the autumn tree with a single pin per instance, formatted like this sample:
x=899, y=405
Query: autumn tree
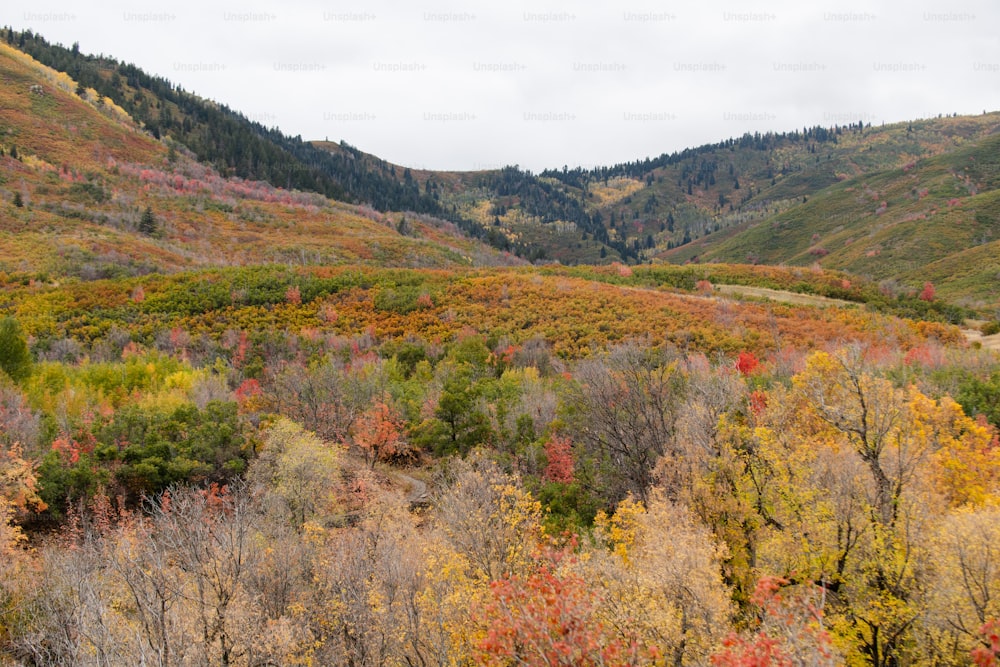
x=965, y=588
x=71, y=618
x=154, y=586
x=487, y=518
x=660, y=575
x=18, y=483
x=988, y=654
x=298, y=474
x=858, y=516
x=746, y=363
x=549, y=616
x=624, y=409
x=868, y=412
x=327, y=396
x=790, y=632
x=485, y=528
x=720, y=470
x=208, y=534
x=559, y=457
x=367, y=590
x=378, y=432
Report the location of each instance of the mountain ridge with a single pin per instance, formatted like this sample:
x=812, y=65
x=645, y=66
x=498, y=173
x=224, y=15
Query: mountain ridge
x=708, y=203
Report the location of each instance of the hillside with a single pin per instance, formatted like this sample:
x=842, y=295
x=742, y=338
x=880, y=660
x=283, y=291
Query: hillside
x=78, y=176
x=714, y=202
x=228, y=141
x=885, y=203
x=941, y=211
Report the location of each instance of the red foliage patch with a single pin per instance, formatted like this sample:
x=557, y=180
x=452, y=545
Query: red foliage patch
x=747, y=363
x=559, y=452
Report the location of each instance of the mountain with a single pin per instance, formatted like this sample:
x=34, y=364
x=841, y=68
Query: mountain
x=227, y=140
x=88, y=192
x=901, y=204
x=898, y=204
x=881, y=202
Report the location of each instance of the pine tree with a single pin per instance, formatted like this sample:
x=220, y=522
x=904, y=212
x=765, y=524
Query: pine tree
x=18, y=200
x=15, y=359
x=147, y=225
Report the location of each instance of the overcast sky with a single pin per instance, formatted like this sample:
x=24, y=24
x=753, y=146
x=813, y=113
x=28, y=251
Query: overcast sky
x=451, y=85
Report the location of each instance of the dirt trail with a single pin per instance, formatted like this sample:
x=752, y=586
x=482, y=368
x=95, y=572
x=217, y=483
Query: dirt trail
x=988, y=342
x=417, y=494
x=793, y=298
x=971, y=335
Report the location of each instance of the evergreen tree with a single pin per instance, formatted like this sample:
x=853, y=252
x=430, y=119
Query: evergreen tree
x=18, y=200
x=147, y=224
x=15, y=359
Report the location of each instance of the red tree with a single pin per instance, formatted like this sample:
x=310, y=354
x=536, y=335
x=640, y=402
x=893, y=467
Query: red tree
x=989, y=654
x=559, y=452
x=927, y=294
x=379, y=434
x=747, y=363
x=548, y=618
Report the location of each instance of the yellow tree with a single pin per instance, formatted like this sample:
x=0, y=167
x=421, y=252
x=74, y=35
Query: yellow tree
x=865, y=534
x=18, y=493
x=485, y=528
x=15, y=579
x=660, y=573
x=365, y=589
x=966, y=458
x=867, y=412
x=965, y=585
x=298, y=472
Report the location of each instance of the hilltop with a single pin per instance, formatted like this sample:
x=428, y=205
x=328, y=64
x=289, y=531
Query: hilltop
x=884, y=203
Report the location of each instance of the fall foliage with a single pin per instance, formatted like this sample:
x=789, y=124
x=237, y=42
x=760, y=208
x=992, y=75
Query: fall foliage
x=367, y=439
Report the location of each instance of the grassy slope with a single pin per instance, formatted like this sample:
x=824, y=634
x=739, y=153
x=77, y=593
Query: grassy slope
x=940, y=212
